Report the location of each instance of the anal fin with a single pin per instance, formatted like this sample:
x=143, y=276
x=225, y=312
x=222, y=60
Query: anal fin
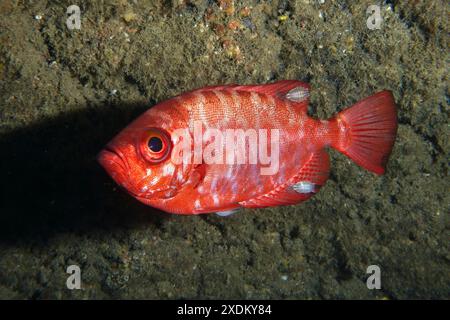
x=300, y=187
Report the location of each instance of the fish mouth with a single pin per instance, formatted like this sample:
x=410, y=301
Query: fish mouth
x=112, y=161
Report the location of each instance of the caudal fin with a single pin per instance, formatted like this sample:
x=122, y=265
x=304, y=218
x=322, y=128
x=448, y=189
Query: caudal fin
x=367, y=131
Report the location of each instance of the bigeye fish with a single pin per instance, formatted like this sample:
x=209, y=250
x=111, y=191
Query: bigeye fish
x=221, y=148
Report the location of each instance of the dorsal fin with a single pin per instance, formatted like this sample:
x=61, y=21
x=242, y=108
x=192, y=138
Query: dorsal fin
x=313, y=174
x=280, y=89
x=293, y=90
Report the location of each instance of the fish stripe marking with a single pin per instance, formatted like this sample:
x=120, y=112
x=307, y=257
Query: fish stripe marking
x=246, y=104
x=257, y=102
x=256, y=99
x=236, y=97
x=235, y=106
x=200, y=104
x=216, y=101
x=270, y=100
x=219, y=95
x=228, y=112
x=271, y=117
x=183, y=104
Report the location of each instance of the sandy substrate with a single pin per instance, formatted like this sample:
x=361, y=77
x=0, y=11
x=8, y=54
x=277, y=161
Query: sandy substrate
x=64, y=93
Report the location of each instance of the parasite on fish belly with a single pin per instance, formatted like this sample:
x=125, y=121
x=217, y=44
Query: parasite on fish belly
x=304, y=187
x=221, y=148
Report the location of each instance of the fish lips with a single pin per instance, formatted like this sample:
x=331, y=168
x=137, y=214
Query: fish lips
x=114, y=166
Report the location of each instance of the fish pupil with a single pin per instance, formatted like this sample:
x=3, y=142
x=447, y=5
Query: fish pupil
x=155, y=144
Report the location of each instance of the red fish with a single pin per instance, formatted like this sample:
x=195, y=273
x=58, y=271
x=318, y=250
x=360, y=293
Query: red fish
x=176, y=156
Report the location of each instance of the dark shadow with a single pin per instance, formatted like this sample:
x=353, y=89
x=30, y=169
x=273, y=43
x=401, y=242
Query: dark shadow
x=52, y=183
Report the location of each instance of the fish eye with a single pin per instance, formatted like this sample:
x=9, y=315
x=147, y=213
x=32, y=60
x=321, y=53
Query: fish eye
x=155, y=145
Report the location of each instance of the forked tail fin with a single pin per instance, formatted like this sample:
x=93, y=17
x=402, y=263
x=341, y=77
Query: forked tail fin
x=367, y=131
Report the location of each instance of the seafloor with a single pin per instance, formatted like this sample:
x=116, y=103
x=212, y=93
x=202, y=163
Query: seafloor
x=64, y=93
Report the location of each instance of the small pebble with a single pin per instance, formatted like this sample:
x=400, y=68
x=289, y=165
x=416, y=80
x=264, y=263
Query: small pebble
x=129, y=16
x=245, y=12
